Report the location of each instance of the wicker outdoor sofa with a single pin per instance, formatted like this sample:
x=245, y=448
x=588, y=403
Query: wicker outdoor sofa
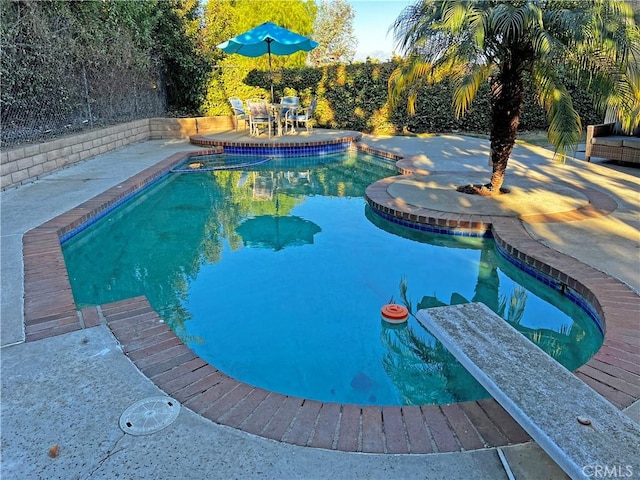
x=604, y=142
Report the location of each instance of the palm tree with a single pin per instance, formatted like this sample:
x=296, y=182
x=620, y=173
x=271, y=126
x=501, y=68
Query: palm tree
x=519, y=44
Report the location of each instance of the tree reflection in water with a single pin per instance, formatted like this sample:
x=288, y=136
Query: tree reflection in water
x=417, y=362
x=419, y=365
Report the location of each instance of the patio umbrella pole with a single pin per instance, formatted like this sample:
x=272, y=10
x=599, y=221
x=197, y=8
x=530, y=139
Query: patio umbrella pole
x=270, y=68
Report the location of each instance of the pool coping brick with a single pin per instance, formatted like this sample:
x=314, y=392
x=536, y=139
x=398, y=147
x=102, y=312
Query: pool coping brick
x=159, y=354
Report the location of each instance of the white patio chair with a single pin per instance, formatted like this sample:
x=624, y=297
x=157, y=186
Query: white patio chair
x=304, y=116
x=259, y=115
x=289, y=107
x=239, y=111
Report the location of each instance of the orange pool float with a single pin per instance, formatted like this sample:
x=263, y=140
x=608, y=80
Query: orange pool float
x=394, y=313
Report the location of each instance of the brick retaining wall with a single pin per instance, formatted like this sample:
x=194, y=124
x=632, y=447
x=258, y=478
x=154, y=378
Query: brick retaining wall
x=27, y=163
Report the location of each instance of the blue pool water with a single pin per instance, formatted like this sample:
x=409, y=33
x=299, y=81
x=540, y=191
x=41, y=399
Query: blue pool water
x=276, y=273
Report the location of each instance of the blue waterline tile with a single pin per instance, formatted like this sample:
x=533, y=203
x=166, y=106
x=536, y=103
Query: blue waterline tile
x=102, y=213
x=431, y=228
x=294, y=151
x=555, y=284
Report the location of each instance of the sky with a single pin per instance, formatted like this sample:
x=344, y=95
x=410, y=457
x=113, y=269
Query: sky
x=371, y=24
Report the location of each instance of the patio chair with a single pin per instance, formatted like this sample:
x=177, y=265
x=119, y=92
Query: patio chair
x=289, y=106
x=304, y=116
x=239, y=111
x=259, y=115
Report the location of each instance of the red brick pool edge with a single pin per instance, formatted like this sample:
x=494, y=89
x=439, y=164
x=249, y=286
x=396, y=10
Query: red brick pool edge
x=614, y=371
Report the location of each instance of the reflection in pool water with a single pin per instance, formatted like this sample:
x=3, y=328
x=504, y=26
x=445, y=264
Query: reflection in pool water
x=276, y=274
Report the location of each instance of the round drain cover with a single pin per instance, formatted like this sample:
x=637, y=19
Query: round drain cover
x=149, y=415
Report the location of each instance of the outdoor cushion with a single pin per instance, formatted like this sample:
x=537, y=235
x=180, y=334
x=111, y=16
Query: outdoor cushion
x=609, y=141
x=631, y=142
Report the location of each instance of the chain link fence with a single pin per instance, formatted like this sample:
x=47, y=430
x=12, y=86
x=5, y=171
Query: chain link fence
x=78, y=100
x=65, y=69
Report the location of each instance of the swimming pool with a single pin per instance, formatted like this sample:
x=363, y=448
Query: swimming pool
x=284, y=261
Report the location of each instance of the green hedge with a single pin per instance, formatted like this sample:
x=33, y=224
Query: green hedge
x=354, y=97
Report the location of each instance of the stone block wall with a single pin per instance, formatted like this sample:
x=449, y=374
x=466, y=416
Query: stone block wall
x=27, y=163
x=161, y=128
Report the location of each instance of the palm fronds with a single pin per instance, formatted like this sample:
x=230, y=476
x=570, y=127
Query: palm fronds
x=593, y=42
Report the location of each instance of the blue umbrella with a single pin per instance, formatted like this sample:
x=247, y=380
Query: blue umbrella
x=268, y=38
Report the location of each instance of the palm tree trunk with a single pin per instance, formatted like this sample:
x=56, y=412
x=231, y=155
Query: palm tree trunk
x=487, y=288
x=507, y=95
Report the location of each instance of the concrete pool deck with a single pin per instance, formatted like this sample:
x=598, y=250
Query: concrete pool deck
x=71, y=389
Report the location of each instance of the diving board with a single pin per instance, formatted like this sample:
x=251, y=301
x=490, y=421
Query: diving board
x=577, y=427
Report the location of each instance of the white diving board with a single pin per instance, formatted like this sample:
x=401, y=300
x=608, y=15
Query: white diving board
x=577, y=427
